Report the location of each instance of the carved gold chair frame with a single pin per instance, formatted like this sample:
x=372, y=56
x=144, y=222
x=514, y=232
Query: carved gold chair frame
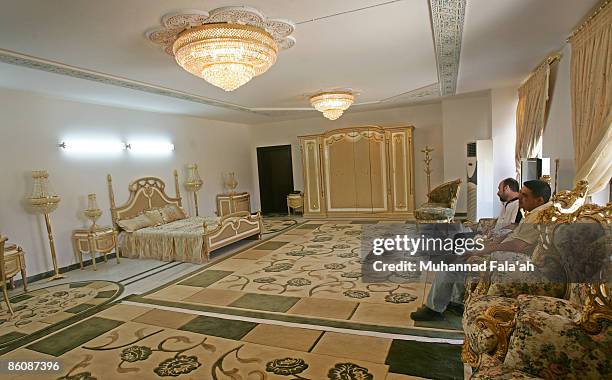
x=568, y=207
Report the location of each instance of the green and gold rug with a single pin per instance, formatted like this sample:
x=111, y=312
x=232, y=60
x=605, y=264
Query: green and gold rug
x=277, y=224
x=128, y=342
x=39, y=312
x=308, y=274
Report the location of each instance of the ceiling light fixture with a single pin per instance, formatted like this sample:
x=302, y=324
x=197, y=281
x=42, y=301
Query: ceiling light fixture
x=332, y=104
x=227, y=47
x=225, y=55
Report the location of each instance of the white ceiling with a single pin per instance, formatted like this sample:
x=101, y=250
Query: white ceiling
x=381, y=51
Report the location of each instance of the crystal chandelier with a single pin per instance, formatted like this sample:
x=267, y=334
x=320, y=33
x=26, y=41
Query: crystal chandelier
x=332, y=104
x=225, y=55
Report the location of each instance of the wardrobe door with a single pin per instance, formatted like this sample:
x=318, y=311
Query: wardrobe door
x=339, y=172
x=378, y=180
x=362, y=170
x=311, y=167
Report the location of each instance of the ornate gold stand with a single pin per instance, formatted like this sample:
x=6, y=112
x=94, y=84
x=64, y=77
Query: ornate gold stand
x=193, y=184
x=557, y=160
x=57, y=275
x=427, y=161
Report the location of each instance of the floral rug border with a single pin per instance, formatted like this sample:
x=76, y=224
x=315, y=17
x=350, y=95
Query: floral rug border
x=19, y=342
x=314, y=321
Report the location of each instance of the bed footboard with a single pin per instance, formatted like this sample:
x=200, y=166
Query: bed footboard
x=231, y=228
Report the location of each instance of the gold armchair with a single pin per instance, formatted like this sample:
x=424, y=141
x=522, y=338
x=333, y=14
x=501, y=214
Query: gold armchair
x=441, y=204
x=549, y=338
x=549, y=329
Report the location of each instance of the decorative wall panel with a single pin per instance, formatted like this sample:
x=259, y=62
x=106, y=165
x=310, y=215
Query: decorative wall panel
x=311, y=165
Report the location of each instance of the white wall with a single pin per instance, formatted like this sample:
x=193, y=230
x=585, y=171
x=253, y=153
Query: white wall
x=465, y=119
x=427, y=120
x=503, y=132
x=31, y=127
x=557, y=139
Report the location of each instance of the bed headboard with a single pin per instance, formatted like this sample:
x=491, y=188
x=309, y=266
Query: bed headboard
x=145, y=194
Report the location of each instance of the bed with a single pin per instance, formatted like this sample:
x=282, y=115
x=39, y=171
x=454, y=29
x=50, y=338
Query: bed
x=152, y=224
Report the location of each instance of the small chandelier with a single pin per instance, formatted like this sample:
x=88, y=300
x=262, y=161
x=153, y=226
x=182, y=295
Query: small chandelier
x=227, y=46
x=332, y=104
x=225, y=55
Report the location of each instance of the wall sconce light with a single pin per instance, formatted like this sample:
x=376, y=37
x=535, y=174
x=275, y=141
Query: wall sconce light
x=92, y=146
x=150, y=147
x=97, y=147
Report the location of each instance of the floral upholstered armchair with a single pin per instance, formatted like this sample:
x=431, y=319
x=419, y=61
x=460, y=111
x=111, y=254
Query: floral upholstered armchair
x=498, y=284
x=441, y=204
x=550, y=338
x=567, y=335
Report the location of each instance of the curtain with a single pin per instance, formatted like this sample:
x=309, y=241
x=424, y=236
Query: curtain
x=530, y=113
x=591, y=88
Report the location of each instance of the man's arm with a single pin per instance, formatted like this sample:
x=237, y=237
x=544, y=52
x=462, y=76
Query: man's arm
x=513, y=245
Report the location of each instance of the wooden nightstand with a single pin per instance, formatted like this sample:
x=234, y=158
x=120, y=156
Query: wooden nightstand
x=231, y=203
x=101, y=240
x=14, y=262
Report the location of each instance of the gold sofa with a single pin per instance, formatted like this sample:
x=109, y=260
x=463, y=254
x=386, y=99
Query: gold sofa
x=550, y=338
x=549, y=329
x=441, y=204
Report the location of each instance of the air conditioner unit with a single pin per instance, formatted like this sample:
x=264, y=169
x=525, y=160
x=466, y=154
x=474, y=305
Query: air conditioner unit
x=480, y=182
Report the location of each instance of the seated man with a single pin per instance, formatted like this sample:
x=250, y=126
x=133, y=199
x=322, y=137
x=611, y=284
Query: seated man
x=508, y=193
x=534, y=197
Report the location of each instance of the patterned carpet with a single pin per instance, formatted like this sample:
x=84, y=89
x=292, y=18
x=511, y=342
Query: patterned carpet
x=127, y=342
x=277, y=224
x=292, y=307
x=312, y=274
x=41, y=311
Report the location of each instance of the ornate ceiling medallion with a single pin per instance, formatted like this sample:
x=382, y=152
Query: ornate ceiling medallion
x=226, y=47
x=332, y=103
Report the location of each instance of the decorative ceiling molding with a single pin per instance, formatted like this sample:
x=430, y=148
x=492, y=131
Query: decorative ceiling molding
x=30, y=62
x=431, y=91
x=347, y=12
x=423, y=93
x=175, y=23
x=27, y=61
x=447, y=18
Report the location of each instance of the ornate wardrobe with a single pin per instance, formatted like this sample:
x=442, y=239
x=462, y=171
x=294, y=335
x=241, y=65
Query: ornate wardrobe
x=359, y=172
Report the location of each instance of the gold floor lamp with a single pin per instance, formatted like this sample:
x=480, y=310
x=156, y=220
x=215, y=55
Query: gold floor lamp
x=43, y=203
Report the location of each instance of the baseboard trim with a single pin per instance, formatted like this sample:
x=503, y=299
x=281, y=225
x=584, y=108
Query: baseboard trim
x=68, y=268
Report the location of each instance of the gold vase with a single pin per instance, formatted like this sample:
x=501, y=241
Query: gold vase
x=231, y=183
x=92, y=212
